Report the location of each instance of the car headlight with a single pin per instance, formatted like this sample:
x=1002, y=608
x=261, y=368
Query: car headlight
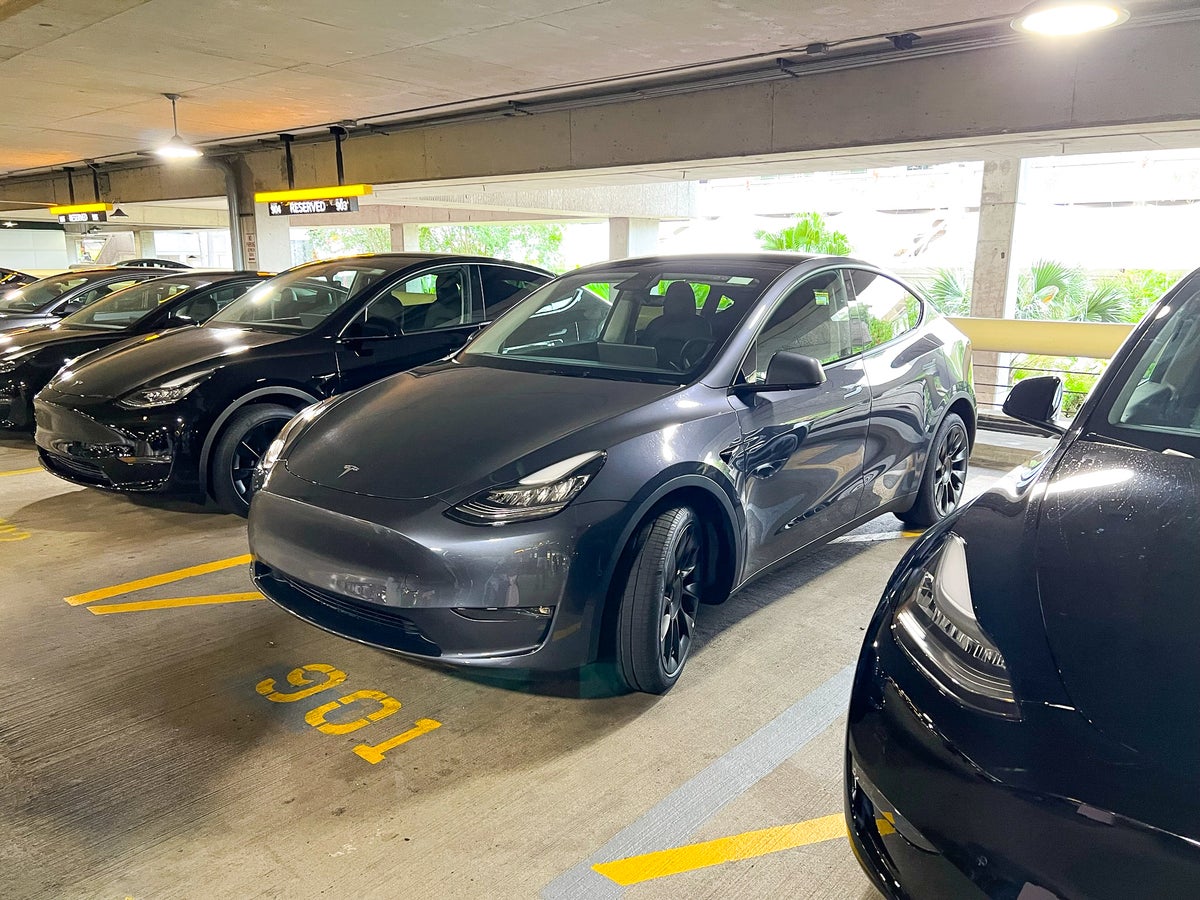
x=9, y=365
x=537, y=496
x=164, y=394
x=936, y=626
x=289, y=432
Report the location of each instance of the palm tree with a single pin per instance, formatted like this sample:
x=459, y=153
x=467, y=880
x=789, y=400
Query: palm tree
x=950, y=292
x=810, y=234
x=1054, y=290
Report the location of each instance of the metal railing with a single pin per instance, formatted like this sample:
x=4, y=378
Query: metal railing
x=1005, y=350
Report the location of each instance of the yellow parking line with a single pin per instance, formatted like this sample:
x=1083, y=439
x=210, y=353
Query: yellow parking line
x=107, y=608
x=155, y=580
x=636, y=869
x=21, y=471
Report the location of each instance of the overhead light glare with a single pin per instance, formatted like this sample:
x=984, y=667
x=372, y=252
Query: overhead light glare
x=176, y=147
x=1064, y=18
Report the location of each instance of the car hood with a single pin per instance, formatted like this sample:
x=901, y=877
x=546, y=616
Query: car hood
x=129, y=365
x=434, y=431
x=1117, y=548
x=35, y=337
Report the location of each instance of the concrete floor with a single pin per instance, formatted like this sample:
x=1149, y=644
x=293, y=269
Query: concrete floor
x=137, y=758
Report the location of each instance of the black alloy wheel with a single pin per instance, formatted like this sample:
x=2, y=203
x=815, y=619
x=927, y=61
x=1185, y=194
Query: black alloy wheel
x=242, y=445
x=950, y=473
x=945, y=475
x=656, y=626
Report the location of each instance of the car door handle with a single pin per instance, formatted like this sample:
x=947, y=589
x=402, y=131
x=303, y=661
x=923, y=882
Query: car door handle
x=853, y=392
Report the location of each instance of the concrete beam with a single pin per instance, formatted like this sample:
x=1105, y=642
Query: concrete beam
x=1128, y=80
x=390, y=214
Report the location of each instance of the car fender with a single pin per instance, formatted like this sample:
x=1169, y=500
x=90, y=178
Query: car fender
x=210, y=437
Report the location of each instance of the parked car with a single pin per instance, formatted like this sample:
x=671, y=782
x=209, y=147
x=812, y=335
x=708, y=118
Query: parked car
x=192, y=411
x=1022, y=722
x=631, y=440
x=151, y=262
x=11, y=278
x=29, y=357
x=49, y=299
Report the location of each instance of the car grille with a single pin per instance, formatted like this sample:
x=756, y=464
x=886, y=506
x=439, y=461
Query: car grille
x=74, y=468
x=368, y=611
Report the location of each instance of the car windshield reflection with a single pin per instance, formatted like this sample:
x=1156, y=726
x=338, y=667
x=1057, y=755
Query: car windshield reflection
x=642, y=323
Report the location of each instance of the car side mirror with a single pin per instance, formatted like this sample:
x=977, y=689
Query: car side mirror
x=788, y=371
x=1036, y=402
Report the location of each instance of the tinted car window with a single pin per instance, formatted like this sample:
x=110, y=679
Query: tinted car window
x=440, y=298
x=35, y=296
x=208, y=303
x=303, y=298
x=99, y=292
x=649, y=322
x=813, y=319
x=887, y=308
x=124, y=307
x=503, y=286
x=1158, y=401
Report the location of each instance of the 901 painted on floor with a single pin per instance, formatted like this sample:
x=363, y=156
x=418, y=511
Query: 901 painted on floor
x=316, y=717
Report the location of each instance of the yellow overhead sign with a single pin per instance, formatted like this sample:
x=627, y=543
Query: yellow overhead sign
x=321, y=193
x=80, y=208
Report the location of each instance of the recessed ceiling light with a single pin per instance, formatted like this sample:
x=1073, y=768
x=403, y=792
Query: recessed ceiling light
x=10, y=224
x=1062, y=18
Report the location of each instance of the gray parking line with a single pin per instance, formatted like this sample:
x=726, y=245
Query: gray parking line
x=678, y=816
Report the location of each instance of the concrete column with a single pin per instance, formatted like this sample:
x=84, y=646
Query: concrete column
x=143, y=244
x=405, y=238
x=632, y=237
x=266, y=240
x=994, y=287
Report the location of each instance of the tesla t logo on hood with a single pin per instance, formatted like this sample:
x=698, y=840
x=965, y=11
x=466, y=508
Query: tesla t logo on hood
x=346, y=470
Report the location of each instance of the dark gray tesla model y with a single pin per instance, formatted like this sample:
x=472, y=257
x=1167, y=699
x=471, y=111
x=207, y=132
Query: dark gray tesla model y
x=631, y=440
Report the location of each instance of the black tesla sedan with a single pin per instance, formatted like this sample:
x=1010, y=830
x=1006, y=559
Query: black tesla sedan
x=631, y=440
x=1022, y=721
x=29, y=357
x=47, y=300
x=192, y=411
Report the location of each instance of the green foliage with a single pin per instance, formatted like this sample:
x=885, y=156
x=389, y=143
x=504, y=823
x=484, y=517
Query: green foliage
x=1143, y=287
x=343, y=240
x=810, y=234
x=539, y=245
x=949, y=291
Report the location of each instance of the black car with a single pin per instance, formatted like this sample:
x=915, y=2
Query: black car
x=631, y=440
x=11, y=278
x=192, y=411
x=29, y=357
x=1022, y=722
x=49, y=299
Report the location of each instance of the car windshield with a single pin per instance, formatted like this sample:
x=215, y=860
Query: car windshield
x=661, y=322
x=34, y=296
x=124, y=308
x=1155, y=400
x=300, y=300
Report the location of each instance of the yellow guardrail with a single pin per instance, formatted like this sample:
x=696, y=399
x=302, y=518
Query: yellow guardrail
x=1095, y=340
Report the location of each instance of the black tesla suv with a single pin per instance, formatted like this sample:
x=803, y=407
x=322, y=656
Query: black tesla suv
x=192, y=411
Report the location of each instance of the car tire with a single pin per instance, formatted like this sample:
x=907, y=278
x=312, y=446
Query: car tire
x=245, y=438
x=944, y=477
x=656, y=622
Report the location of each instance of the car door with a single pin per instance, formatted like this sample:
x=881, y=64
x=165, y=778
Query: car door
x=904, y=365
x=420, y=319
x=800, y=460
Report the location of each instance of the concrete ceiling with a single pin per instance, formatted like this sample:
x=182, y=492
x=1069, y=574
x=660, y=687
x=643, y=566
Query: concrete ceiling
x=82, y=79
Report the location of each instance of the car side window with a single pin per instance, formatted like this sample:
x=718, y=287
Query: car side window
x=209, y=302
x=813, y=319
x=437, y=299
x=886, y=307
x=98, y=292
x=504, y=286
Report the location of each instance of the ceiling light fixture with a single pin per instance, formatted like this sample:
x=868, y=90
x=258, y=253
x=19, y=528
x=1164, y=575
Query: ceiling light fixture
x=176, y=147
x=1063, y=18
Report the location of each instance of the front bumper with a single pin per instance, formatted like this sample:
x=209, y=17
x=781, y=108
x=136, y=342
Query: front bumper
x=15, y=410
x=401, y=576
x=101, y=446
x=926, y=820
